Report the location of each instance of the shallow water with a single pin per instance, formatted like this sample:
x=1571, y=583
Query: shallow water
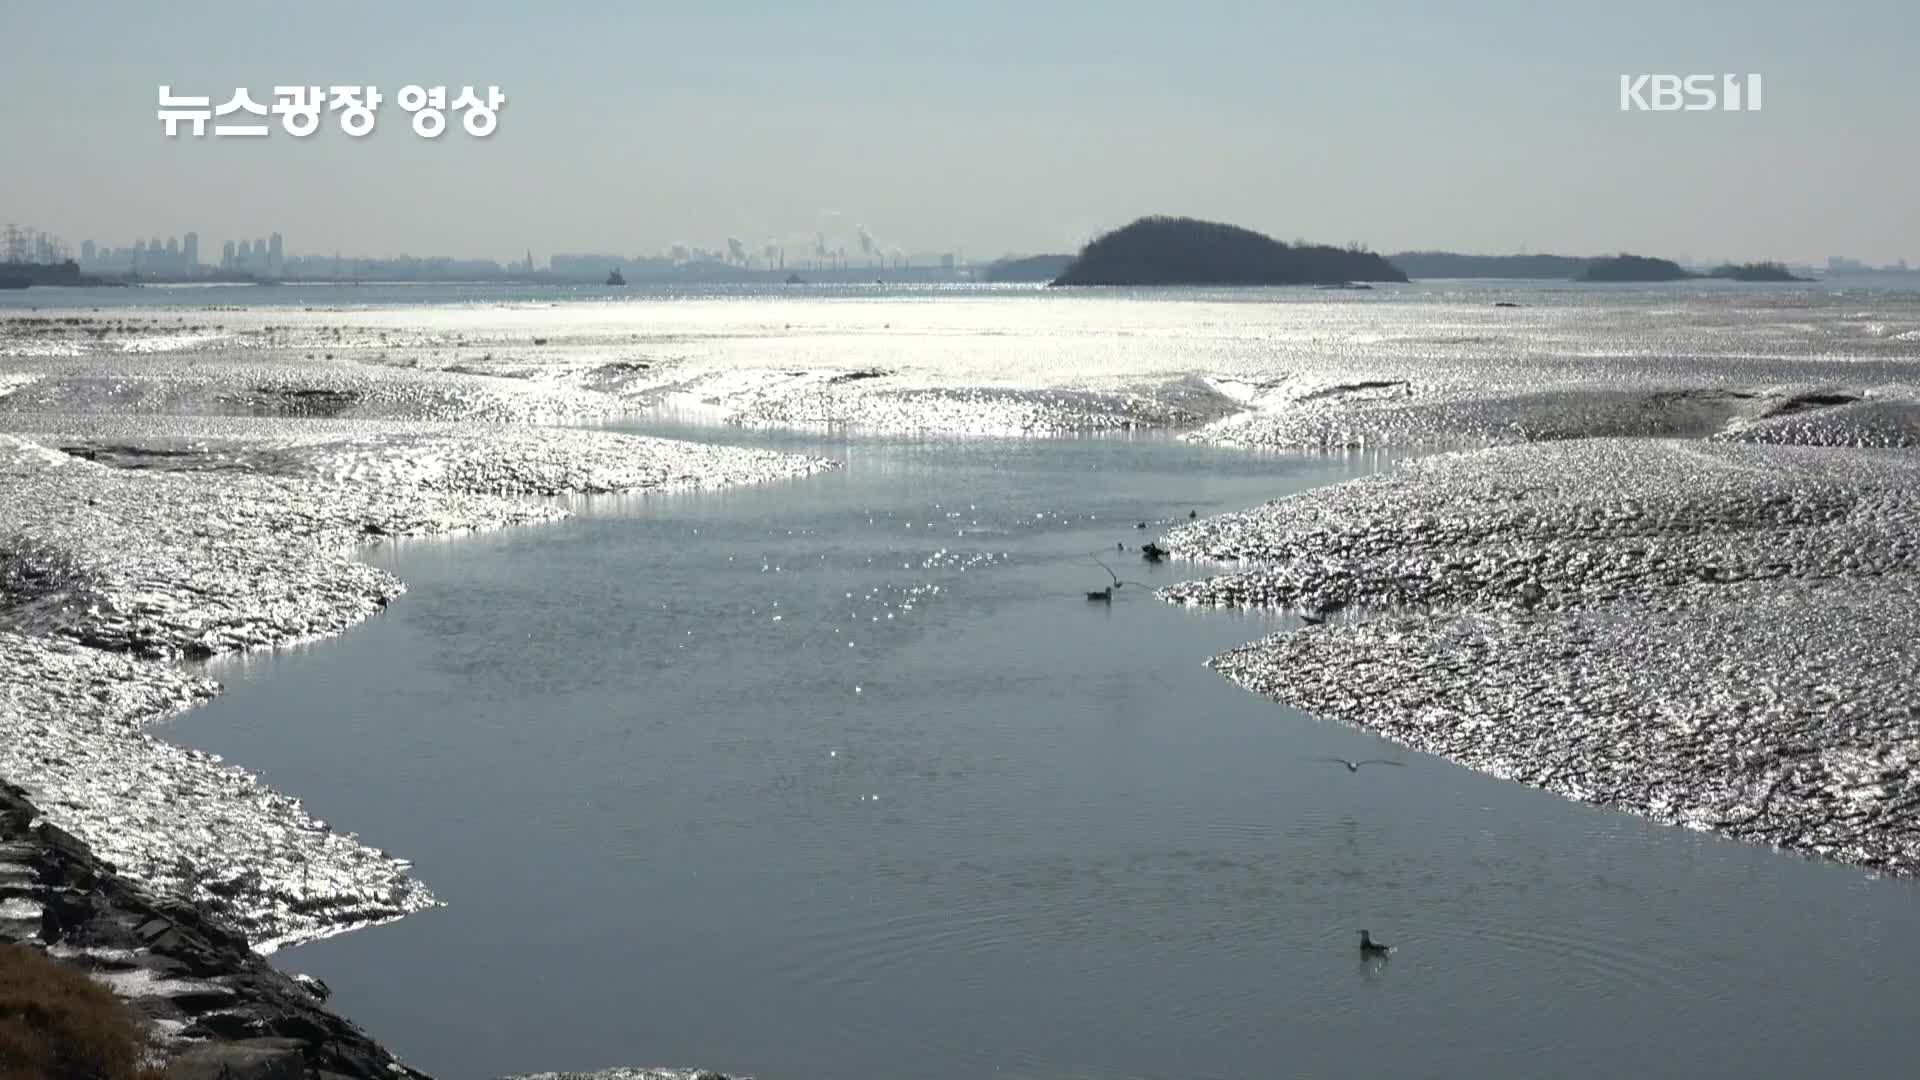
x=843, y=777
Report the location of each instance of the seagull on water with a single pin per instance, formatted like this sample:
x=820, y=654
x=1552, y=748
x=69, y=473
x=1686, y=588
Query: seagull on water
x=1354, y=766
x=1370, y=947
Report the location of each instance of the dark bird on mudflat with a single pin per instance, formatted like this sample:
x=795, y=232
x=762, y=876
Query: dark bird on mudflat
x=1354, y=766
x=1370, y=947
x=1320, y=612
x=1101, y=596
x=1191, y=514
x=1152, y=552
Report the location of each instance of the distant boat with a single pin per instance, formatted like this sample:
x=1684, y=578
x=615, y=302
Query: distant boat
x=794, y=279
x=614, y=278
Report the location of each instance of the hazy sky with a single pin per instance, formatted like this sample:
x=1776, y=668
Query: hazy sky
x=982, y=126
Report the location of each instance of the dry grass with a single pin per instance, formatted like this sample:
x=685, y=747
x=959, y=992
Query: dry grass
x=58, y=1024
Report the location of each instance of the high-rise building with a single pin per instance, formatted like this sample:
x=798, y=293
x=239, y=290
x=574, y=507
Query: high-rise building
x=190, y=252
x=86, y=251
x=276, y=256
x=227, y=256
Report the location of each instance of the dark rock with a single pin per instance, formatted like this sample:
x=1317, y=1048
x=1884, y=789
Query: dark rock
x=200, y=1001
x=225, y=1025
x=261, y=1024
x=317, y=987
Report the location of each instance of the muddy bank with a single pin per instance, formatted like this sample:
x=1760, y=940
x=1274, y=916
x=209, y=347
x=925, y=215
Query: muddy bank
x=1719, y=636
x=104, y=570
x=1433, y=364
x=1775, y=712
x=177, y=490
x=181, y=822
x=212, y=535
x=1408, y=413
x=1566, y=524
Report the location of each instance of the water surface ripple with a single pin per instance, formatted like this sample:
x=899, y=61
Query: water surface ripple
x=843, y=777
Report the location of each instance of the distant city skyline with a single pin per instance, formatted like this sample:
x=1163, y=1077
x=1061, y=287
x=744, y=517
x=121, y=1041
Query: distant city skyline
x=268, y=256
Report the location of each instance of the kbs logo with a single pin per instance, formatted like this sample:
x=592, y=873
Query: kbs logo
x=1689, y=93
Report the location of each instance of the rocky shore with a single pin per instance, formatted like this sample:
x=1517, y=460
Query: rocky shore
x=215, y=1009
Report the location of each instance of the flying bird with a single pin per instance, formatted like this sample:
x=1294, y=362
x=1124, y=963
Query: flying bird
x=1354, y=766
x=1106, y=595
